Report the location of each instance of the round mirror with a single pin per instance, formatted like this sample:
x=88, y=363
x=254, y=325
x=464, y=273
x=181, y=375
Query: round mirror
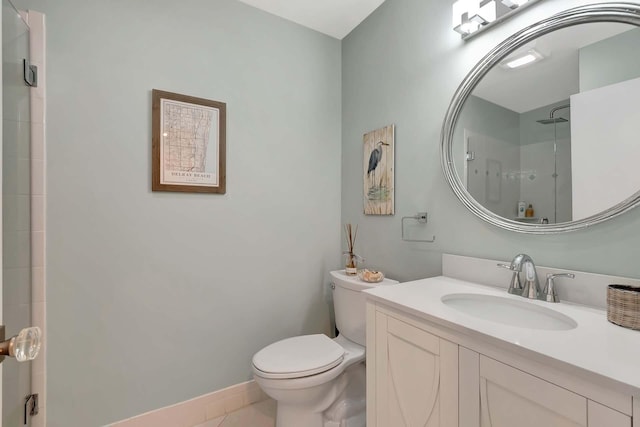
x=541, y=135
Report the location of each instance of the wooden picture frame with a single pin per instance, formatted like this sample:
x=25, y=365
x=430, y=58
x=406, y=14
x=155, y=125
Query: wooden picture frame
x=378, y=177
x=188, y=143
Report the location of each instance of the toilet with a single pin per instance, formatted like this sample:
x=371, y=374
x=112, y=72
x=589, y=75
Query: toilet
x=315, y=380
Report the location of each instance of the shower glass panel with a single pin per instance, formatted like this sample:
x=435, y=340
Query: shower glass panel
x=546, y=160
x=16, y=209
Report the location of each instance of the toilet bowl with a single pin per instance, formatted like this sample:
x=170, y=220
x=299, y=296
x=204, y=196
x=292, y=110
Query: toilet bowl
x=318, y=381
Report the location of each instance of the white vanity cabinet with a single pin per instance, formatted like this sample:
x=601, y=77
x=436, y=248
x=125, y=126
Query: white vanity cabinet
x=413, y=376
x=420, y=374
x=511, y=397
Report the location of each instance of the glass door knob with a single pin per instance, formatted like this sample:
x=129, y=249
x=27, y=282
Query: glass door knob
x=24, y=346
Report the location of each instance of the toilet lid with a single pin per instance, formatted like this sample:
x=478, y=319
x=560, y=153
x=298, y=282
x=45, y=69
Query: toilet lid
x=298, y=357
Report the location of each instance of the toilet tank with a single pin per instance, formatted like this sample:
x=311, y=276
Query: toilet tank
x=349, y=304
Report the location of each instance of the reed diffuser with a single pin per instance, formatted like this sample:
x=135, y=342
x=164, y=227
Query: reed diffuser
x=351, y=259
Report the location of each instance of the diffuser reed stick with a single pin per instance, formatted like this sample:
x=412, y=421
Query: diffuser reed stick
x=351, y=236
x=351, y=263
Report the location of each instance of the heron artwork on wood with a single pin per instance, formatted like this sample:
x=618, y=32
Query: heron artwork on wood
x=378, y=179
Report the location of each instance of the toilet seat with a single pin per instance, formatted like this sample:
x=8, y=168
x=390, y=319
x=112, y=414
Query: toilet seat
x=298, y=357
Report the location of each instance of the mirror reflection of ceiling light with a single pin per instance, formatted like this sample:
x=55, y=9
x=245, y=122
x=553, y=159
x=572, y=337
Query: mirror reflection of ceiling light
x=472, y=16
x=523, y=59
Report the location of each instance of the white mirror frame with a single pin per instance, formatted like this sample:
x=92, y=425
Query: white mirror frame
x=626, y=13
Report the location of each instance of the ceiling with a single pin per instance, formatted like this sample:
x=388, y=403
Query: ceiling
x=332, y=17
x=551, y=80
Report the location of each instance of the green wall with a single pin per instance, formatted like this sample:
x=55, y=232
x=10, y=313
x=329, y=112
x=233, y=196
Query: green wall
x=610, y=61
x=402, y=66
x=155, y=298
x=486, y=118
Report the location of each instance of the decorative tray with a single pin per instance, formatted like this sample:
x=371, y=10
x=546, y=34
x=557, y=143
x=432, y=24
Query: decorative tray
x=370, y=276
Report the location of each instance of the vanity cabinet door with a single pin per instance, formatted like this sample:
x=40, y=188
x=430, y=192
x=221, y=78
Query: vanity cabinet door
x=601, y=416
x=510, y=397
x=416, y=376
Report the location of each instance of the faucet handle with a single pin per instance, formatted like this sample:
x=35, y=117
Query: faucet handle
x=549, y=293
x=515, y=287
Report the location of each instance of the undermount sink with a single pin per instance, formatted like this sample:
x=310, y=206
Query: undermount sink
x=507, y=311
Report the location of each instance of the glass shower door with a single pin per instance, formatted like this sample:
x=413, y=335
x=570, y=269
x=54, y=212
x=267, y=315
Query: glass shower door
x=16, y=209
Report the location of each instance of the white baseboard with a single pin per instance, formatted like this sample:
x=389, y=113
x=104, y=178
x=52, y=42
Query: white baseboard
x=199, y=409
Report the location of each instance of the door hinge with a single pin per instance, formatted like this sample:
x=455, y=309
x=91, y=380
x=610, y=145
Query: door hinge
x=30, y=73
x=30, y=407
x=471, y=156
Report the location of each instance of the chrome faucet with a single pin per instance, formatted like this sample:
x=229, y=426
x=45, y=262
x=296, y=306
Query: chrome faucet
x=524, y=281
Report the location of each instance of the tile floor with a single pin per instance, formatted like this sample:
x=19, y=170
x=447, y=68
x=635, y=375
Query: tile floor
x=261, y=414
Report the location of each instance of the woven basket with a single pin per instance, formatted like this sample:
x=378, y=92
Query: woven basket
x=623, y=305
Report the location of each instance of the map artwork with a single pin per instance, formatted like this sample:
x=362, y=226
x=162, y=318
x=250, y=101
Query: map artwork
x=189, y=148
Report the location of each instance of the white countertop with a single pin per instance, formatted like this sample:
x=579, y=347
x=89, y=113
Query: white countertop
x=595, y=345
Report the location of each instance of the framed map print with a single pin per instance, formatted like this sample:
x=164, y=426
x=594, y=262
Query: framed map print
x=188, y=143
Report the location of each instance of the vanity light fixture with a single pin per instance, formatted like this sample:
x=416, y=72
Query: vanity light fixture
x=514, y=3
x=461, y=17
x=472, y=16
x=523, y=59
x=485, y=14
x=468, y=27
